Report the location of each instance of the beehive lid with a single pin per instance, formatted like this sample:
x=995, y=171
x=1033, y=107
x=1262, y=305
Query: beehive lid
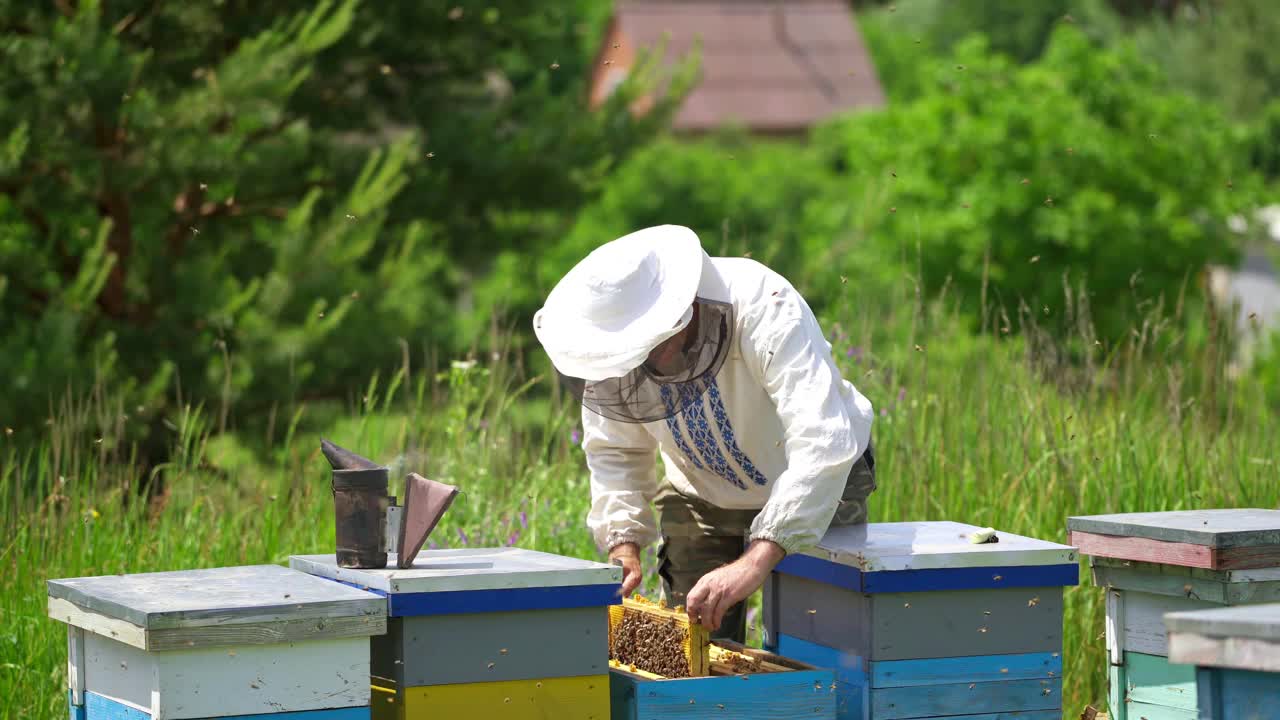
x=256, y=604
x=1243, y=636
x=936, y=555
x=1221, y=539
x=478, y=580
x=1241, y=621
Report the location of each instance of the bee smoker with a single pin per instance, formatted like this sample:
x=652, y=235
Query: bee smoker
x=368, y=525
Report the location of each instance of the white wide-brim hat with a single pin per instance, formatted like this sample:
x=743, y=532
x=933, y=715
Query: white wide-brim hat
x=620, y=302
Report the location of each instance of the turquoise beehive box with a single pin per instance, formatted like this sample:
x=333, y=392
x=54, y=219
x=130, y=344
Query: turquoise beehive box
x=1153, y=563
x=1236, y=655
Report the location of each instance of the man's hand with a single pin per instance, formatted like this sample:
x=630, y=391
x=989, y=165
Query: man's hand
x=629, y=555
x=724, y=587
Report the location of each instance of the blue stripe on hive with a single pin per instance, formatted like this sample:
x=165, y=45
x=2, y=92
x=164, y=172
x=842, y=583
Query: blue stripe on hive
x=76, y=712
x=794, y=694
x=965, y=578
x=506, y=600
x=976, y=669
x=97, y=707
x=726, y=432
x=851, y=673
x=673, y=425
x=934, y=700
x=1224, y=693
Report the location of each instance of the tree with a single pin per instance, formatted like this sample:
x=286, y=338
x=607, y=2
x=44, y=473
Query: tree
x=253, y=204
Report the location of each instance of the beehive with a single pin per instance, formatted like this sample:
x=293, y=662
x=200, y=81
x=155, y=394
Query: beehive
x=711, y=679
x=918, y=621
x=502, y=632
x=261, y=641
x=1236, y=655
x=1155, y=563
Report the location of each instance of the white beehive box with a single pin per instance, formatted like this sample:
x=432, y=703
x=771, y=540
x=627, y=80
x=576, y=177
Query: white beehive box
x=258, y=640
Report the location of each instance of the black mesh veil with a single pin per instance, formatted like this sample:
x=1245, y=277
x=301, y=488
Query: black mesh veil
x=644, y=394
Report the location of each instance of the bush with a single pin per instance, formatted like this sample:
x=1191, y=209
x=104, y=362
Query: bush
x=1011, y=181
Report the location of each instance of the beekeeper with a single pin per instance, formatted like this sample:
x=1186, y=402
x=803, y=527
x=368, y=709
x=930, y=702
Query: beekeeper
x=719, y=365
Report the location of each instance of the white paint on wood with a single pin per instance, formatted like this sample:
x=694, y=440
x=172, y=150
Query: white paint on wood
x=1115, y=626
x=95, y=623
x=1143, y=620
x=929, y=545
x=466, y=569
x=75, y=663
x=394, y=518
x=1234, y=652
x=254, y=594
x=1249, y=621
x=1217, y=528
x=217, y=682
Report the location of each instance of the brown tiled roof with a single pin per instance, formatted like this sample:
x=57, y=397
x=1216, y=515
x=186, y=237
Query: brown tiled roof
x=772, y=66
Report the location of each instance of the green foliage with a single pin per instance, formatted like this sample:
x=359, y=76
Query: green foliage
x=1011, y=182
x=1223, y=51
x=252, y=204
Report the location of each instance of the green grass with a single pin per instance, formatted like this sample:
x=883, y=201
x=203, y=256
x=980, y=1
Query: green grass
x=990, y=429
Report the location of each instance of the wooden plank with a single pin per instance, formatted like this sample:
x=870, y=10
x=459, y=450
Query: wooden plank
x=1174, y=585
x=945, y=671
x=1147, y=711
x=909, y=626
x=491, y=647
x=217, y=682
x=1052, y=714
x=574, y=697
x=1117, y=708
x=75, y=664
x=822, y=614
x=459, y=569
x=1245, y=558
x=796, y=694
x=871, y=547
x=935, y=700
x=1236, y=652
x=1259, y=622
x=102, y=708
x=97, y=623
x=1153, y=679
x=1135, y=548
x=290, y=631
x=256, y=594
x=1249, y=575
x=1144, y=628
x=1239, y=695
x=1115, y=627
x=498, y=601
x=852, y=680
x=75, y=711
x=1219, y=528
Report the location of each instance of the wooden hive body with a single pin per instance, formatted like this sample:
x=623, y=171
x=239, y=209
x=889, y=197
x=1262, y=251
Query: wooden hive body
x=261, y=641
x=917, y=621
x=1151, y=564
x=1235, y=654
x=500, y=632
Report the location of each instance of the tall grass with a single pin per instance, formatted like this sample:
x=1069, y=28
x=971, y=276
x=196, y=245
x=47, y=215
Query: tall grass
x=1005, y=428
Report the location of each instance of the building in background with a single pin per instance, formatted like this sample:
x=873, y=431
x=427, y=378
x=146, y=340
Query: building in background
x=771, y=67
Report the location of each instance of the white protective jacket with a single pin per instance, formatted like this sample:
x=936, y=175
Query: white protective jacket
x=778, y=430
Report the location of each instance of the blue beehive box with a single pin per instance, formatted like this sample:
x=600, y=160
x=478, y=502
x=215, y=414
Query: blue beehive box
x=920, y=622
x=1236, y=655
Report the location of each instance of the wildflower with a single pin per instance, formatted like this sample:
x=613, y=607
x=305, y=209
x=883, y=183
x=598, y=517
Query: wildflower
x=463, y=536
x=524, y=520
x=574, y=437
x=884, y=412
x=902, y=394
x=463, y=364
x=515, y=537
